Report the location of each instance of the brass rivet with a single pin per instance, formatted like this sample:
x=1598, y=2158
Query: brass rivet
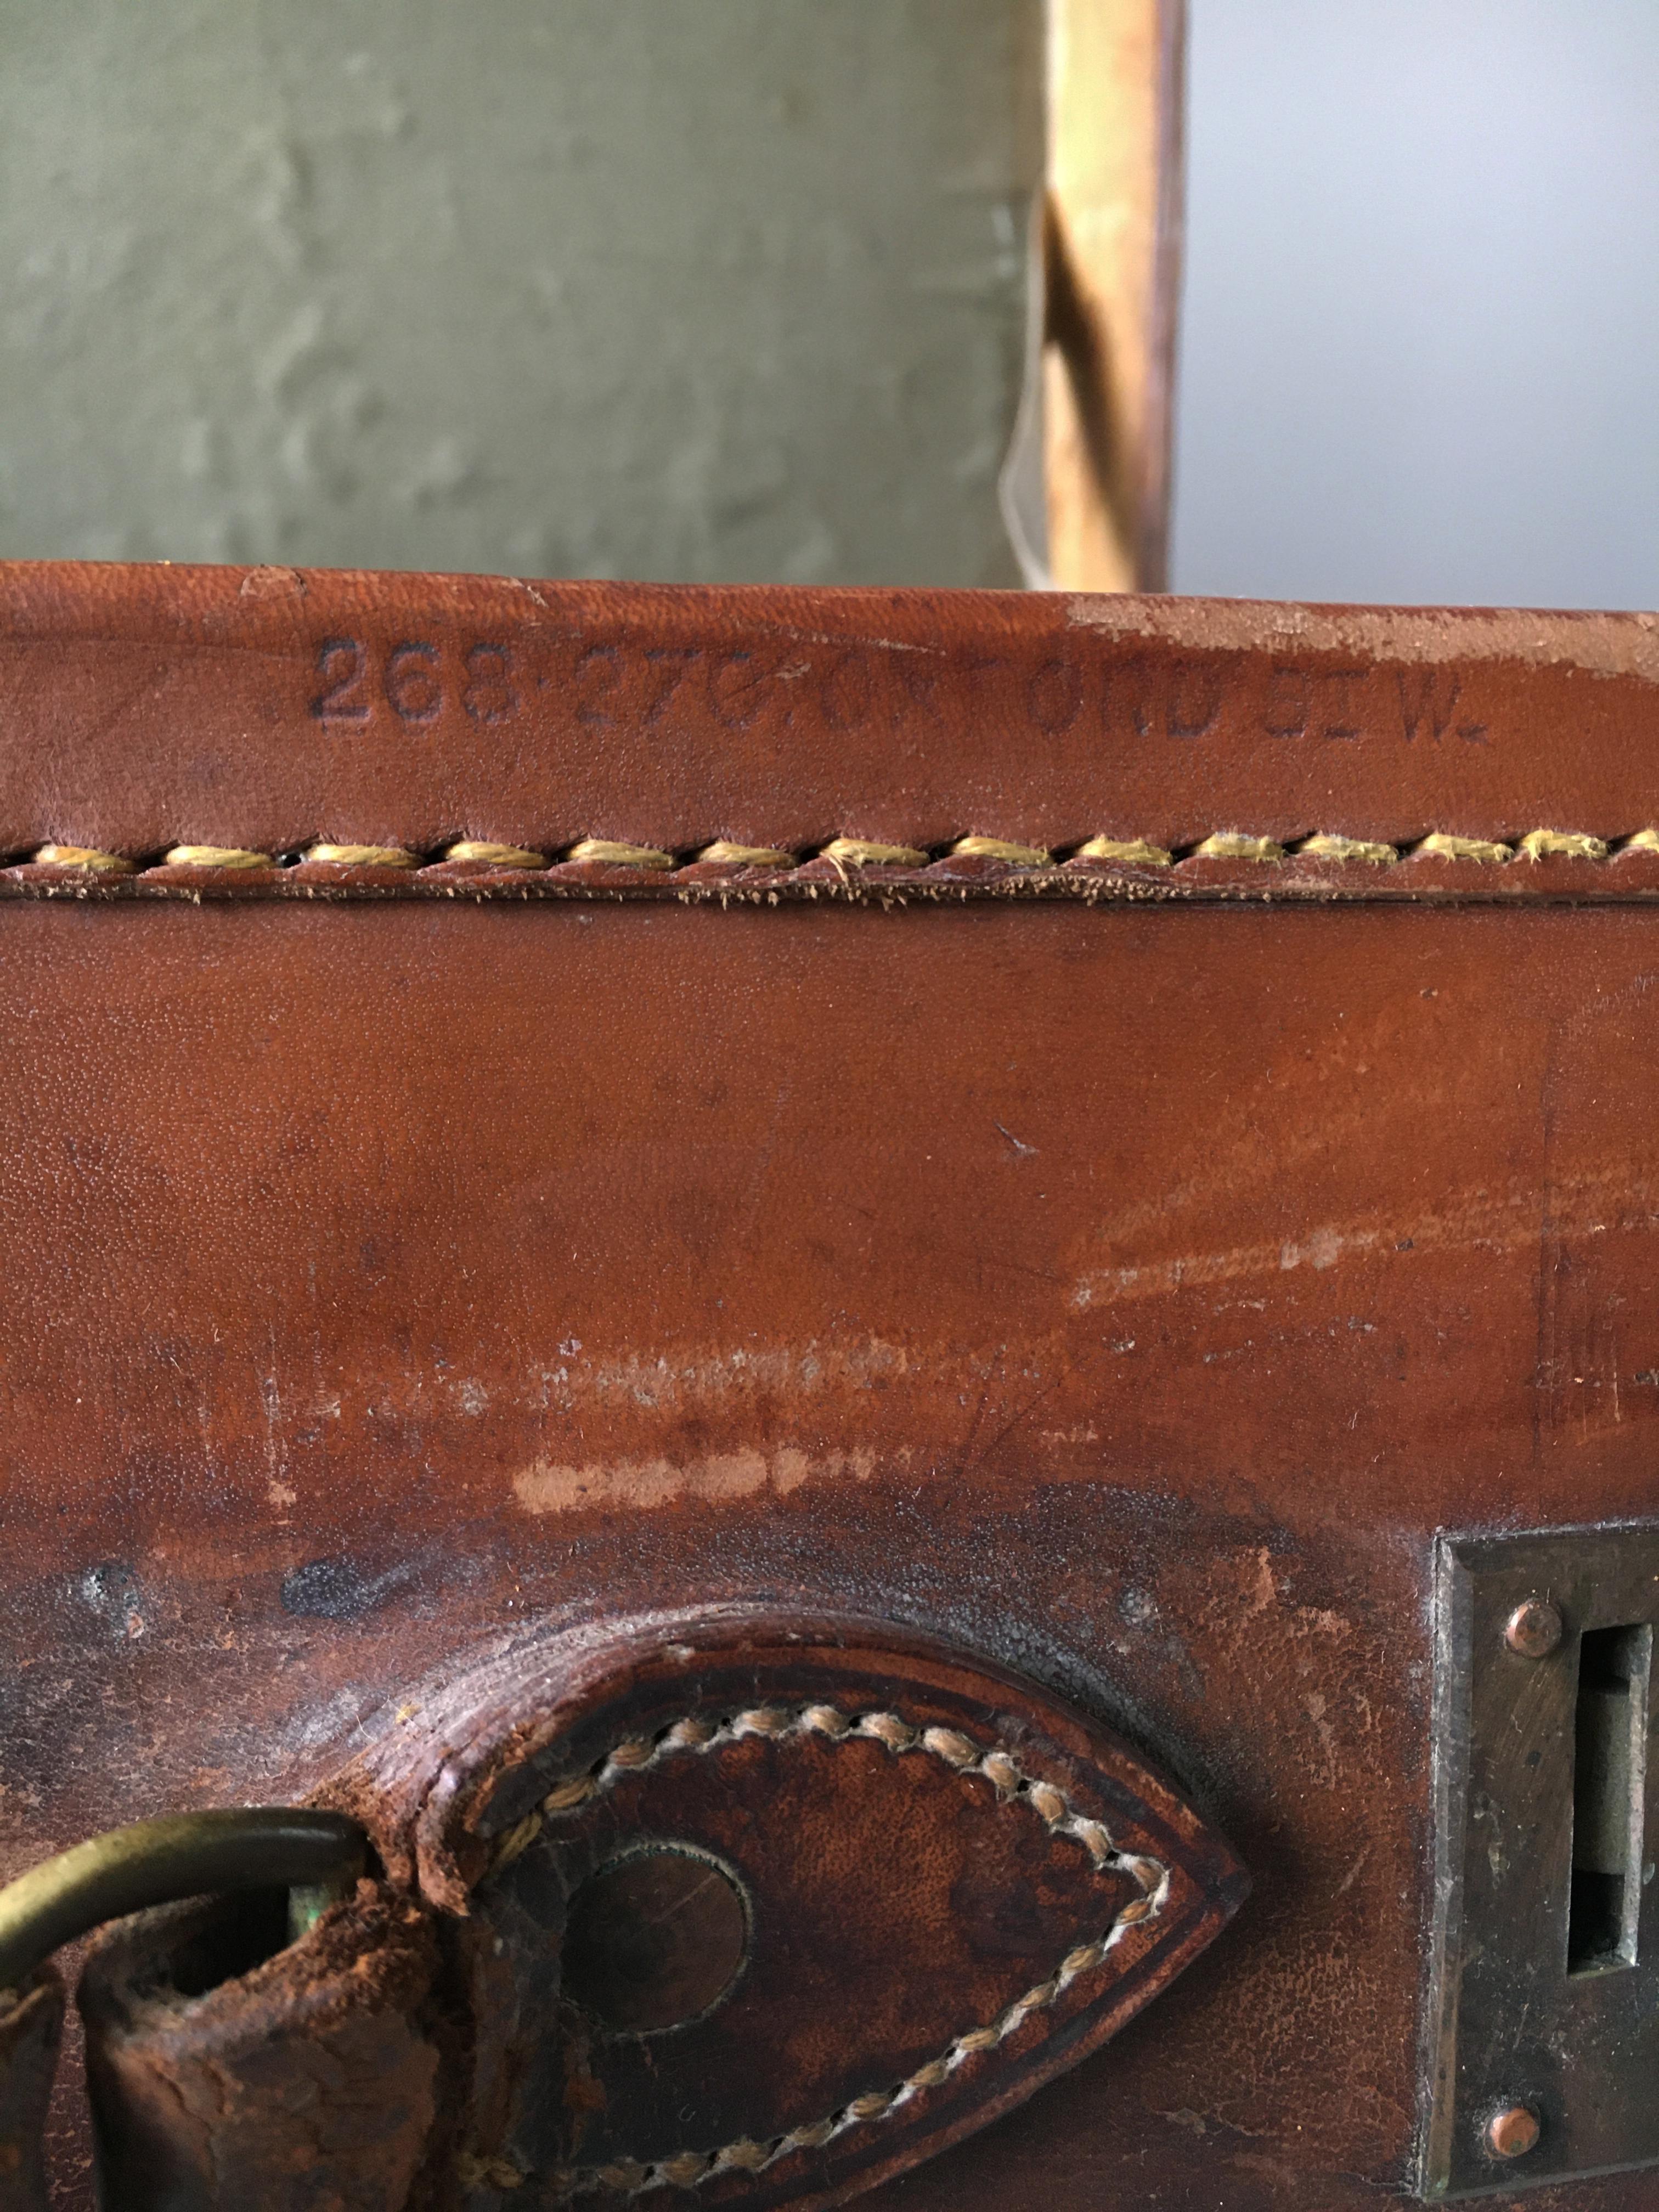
x=1534, y=1629
x=1513, y=2132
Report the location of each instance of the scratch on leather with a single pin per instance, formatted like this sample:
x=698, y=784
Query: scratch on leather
x=694, y=1733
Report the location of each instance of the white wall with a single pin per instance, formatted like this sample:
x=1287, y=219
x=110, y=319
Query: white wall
x=1420, y=351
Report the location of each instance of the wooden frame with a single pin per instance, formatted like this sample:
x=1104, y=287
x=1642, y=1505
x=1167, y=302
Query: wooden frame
x=1112, y=262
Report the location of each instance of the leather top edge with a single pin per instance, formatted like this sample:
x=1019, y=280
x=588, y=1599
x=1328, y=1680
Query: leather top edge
x=194, y=589
x=144, y=706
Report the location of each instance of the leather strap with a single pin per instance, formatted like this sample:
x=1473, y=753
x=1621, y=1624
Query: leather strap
x=30, y=2027
x=309, y=2080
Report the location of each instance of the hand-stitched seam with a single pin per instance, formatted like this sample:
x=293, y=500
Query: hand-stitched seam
x=635, y=1755
x=852, y=855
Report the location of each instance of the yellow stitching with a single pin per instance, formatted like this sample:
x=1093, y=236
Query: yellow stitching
x=84, y=856
x=850, y=853
x=760, y=1720
x=1442, y=846
x=215, y=856
x=993, y=848
x=625, y=2173
x=725, y=854
x=692, y=1733
x=1236, y=845
x=859, y=853
x=887, y=1729
x=517, y=1841
x=1563, y=844
x=474, y=2172
x=1132, y=853
x=604, y=849
x=1001, y=1771
x=1347, y=848
x=949, y=1744
x=495, y=856
x=636, y=1754
x=363, y=856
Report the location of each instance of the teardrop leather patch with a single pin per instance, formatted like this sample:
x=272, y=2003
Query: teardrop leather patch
x=765, y=1913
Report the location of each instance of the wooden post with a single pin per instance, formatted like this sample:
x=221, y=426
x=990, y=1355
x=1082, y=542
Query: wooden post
x=1112, y=250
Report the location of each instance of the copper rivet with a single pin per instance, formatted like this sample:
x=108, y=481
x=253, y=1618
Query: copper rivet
x=1513, y=2132
x=1534, y=1629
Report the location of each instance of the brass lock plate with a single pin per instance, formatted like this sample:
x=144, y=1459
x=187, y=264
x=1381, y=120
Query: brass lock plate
x=1543, y=2025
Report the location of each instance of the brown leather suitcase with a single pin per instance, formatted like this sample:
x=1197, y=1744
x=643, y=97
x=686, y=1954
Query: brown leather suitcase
x=877, y=1291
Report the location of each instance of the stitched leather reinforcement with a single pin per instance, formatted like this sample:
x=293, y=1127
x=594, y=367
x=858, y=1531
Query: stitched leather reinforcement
x=698, y=1735
x=1228, y=866
x=852, y=854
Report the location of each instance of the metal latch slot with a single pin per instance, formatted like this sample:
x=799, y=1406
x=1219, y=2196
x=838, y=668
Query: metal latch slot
x=1609, y=1794
x=1542, y=2028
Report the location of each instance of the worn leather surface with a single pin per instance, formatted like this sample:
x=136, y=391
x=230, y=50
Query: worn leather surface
x=31, y=2029
x=1125, y=1291
x=309, y=2081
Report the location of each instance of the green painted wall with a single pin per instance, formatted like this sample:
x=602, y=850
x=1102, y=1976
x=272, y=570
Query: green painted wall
x=723, y=289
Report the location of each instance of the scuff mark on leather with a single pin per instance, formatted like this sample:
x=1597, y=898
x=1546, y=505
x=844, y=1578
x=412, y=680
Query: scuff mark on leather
x=550, y=1487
